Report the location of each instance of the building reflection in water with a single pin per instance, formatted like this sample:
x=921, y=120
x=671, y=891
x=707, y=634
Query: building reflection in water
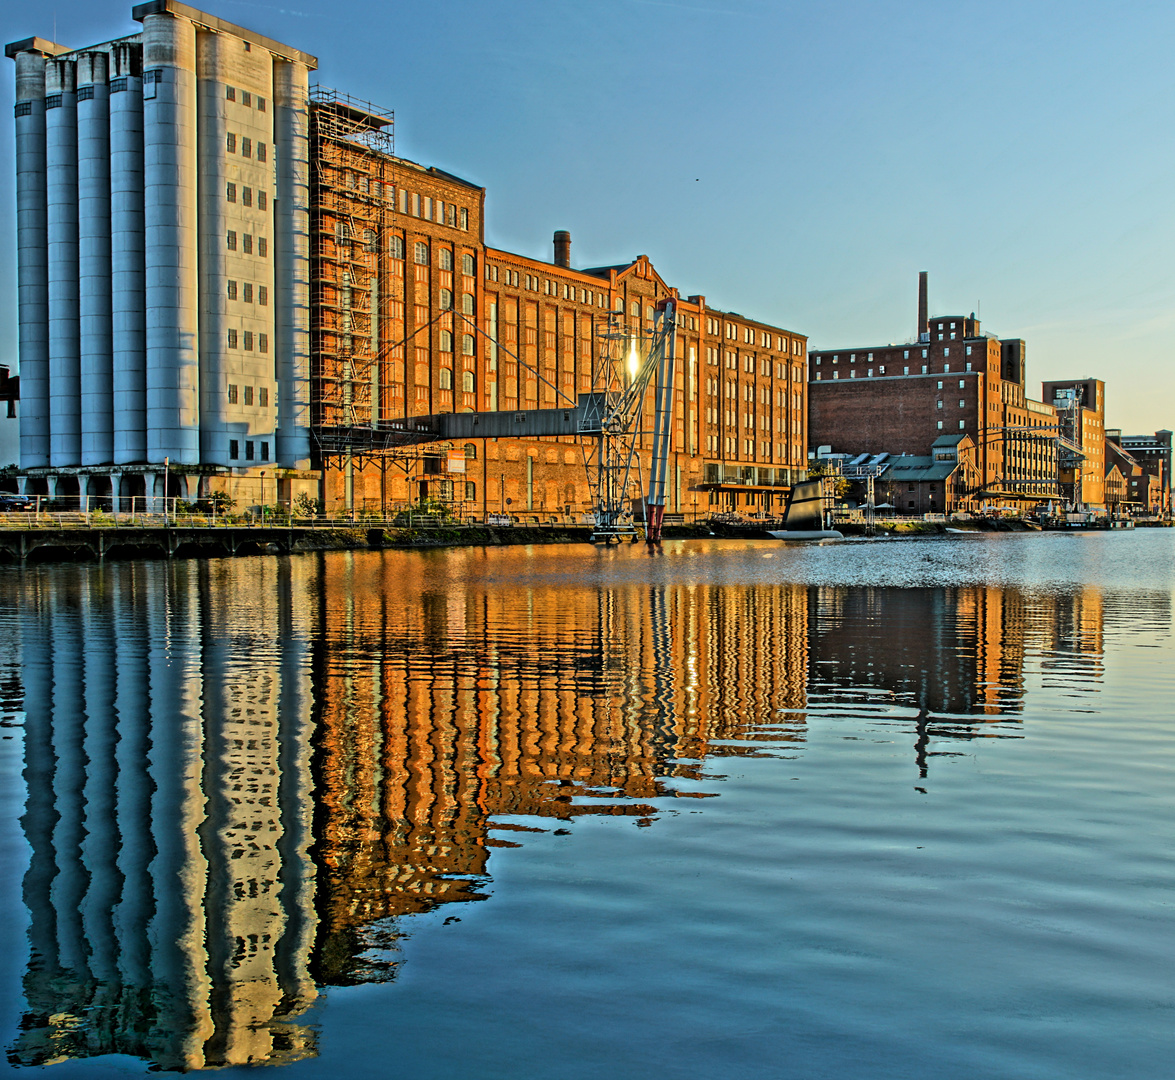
x=242, y=774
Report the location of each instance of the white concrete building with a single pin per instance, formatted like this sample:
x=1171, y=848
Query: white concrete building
x=164, y=261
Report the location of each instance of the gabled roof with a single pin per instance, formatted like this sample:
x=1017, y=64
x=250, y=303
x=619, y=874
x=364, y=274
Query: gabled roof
x=918, y=469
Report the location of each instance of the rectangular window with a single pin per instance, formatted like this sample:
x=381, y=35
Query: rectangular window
x=232, y=393
x=465, y=219
x=428, y=208
x=247, y=243
x=246, y=147
x=232, y=240
x=265, y=451
x=230, y=143
x=261, y=104
x=246, y=196
x=262, y=200
x=248, y=292
x=234, y=449
x=248, y=389
x=940, y=425
x=263, y=394
x=263, y=346
x=246, y=98
x=262, y=246
x=924, y=366
x=230, y=93
x=232, y=290
x=961, y=423
x=248, y=450
x=230, y=192
x=416, y=204
x=232, y=339
x=262, y=295
x=261, y=151
x=248, y=346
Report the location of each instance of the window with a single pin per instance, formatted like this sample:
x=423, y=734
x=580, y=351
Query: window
x=262, y=246
x=446, y=258
x=263, y=345
x=262, y=295
x=938, y=404
x=464, y=219
x=946, y=352
x=246, y=98
x=234, y=449
x=416, y=204
x=446, y=378
x=467, y=304
x=940, y=384
x=906, y=370
x=261, y=104
x=466, y=344
x=232, y=290
x=648, y=308
x=906, y=355
x=232, y=339
x=962, y=403
x=248, y=450
x=940, y=425
x=946, y=367
x=261, y=151
x=230, y=93
x=263, y=395
x=396, y=247
x=232, y=393
x=961, y=423
x=232, y=240
x=247, y=243
x=230, y=143
x=249, y=346
x=924, y=367
x=634, y=309
x=230, y=192
x=248, y=395
x=421, y=254
x=446, y=343
x=467, y=382
x=446, y=295
x=246, y=196
x=467, y=265
x=248, y=292
x=470, y=491
x=968, y=350
x=246, y=148
x=261, y=199
x=962, y=383
x=265, y=451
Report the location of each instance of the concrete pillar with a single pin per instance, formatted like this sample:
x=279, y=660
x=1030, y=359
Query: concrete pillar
x=61, y=188
x=128, y=274
x=97, y=359
x=292, y=251
x=170, y=216
x=32, y=252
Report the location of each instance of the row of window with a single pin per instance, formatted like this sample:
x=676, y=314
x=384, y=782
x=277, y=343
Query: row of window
x=262, y=395
x=246, y=293
x=466, y=343
x=230, y=193
x=468, y=380
x=247, y=243
x=234, y=450
x=881, y=370
x=248, y=148
x=905, y=355
x=410, y=203
x=247, y=339
x=245, y=98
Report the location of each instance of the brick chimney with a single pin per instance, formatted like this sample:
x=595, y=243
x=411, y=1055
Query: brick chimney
x=923, y=313
x=563, y=248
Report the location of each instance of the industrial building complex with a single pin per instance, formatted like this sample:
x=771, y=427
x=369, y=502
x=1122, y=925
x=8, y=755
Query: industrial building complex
x=230, y=284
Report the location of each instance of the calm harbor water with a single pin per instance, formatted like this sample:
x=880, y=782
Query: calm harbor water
x=732, y=809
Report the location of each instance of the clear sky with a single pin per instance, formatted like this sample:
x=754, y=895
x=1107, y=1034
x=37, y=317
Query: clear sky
x=795, y=162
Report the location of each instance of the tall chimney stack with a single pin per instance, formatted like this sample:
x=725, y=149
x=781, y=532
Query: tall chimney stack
x=563, y=248
x=923, y=313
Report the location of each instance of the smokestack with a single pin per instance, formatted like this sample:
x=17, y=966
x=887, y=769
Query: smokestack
x=923, y=313
x=563, y=248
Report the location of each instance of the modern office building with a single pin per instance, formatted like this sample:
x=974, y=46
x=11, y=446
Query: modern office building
x=231, y=280
x=163, y=257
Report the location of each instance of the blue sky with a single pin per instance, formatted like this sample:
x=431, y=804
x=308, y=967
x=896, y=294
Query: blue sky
x=798, y=163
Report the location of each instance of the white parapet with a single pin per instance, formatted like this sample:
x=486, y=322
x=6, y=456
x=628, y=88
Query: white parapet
x=292, y=240
x=170, y=217
x=32, y=254
x=127, y=279
x=94, y=267
x=61, y=190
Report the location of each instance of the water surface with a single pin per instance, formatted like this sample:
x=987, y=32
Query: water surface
x=877, y=809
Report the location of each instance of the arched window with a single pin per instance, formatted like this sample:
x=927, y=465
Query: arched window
x=470, y=448
x=446, y=258
x=446, y=378
x=634, y=309
x=467, y=303
x=421, y=253
x=470, y=491
x=467, y=266
x=467, y=384
x=466, y=344
x=446, y=341
x=446, y=300
x=617, y=304
x=396, y=247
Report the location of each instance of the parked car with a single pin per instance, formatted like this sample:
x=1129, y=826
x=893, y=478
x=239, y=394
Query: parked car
x=10, y=502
